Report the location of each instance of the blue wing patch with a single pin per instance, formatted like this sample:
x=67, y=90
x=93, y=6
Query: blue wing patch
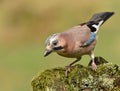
x=90, y=40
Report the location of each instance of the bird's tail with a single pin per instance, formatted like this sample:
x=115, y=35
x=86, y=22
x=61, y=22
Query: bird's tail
x=98, y=19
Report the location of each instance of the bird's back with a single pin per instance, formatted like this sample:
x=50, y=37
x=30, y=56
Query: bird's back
x=79, y=34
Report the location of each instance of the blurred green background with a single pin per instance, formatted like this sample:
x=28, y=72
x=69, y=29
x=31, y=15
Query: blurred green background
x=25, y=25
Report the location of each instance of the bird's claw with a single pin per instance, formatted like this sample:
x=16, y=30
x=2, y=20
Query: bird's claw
x=94, y=66
x=67, y=70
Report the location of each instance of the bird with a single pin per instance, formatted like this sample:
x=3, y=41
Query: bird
x=77, y=41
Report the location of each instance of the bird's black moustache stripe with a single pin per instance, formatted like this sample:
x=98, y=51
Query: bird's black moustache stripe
x=58, y=48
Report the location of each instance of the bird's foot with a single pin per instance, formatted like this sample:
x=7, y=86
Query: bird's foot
x=67, y=70
x=94, y=66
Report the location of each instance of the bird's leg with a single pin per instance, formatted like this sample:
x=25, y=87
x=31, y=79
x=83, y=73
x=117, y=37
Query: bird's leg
x=94, y=66
x=69, y=66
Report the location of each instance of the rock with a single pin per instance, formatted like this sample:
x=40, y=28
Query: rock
x=80, y=78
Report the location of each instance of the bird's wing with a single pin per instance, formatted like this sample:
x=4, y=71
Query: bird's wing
x=90, y=40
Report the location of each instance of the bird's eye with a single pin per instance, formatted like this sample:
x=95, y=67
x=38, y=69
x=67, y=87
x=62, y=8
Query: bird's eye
x=55, y=42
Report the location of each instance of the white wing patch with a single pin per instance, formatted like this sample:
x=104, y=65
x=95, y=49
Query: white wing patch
x=97, y=26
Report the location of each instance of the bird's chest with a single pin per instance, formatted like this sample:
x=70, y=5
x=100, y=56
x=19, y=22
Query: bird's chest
x=71, y=53
x=75, y=50
x=67, y=54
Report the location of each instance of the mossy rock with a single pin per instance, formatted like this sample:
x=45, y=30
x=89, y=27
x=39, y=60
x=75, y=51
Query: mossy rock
x=80, y=78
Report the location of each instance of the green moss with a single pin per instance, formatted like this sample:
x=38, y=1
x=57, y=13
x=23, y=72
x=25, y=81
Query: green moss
x=80, y=78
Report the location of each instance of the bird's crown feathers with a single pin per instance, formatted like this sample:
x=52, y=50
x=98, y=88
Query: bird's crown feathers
x=51, y=38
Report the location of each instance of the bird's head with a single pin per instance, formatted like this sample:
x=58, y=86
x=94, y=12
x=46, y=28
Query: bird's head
x=53, y=44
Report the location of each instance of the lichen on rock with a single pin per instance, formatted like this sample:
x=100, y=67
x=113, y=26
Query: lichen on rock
x=80, y=78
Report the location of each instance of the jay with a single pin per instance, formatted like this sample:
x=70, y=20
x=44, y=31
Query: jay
x=77, y=41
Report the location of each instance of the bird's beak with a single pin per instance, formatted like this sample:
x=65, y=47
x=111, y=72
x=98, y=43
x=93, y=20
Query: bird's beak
x=47, y=52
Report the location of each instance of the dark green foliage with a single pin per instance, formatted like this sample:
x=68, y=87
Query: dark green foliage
x=80, y=78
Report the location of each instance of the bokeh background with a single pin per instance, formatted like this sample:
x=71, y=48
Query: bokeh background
x=25, y=25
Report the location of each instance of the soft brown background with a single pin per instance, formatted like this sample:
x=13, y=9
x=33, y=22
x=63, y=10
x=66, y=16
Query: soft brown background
x=25, y=24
